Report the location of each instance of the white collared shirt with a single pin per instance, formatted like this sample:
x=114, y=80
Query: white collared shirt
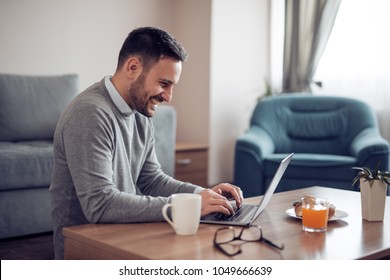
x=116, y=97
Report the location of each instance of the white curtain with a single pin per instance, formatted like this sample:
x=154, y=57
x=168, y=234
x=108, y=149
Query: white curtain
x=308, y=25
x=356, y=61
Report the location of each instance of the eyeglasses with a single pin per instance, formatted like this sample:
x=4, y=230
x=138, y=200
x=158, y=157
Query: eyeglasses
x=224, y=237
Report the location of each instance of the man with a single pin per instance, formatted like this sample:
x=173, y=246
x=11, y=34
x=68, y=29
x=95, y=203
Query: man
x=105, y=166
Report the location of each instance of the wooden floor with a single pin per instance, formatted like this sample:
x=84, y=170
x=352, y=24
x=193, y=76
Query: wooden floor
x=33, y=247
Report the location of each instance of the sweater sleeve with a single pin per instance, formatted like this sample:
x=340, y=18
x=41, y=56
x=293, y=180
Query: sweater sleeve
x=153, y=181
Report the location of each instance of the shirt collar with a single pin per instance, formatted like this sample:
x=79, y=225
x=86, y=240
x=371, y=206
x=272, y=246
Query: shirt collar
x=116, y=97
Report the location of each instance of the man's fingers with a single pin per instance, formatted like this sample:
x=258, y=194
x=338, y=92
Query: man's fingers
x=231, y=192
x=213, y=202
x=216, y=208
x=223, y=202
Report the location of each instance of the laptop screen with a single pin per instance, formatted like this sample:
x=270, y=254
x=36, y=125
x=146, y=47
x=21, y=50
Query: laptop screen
x=274, y=183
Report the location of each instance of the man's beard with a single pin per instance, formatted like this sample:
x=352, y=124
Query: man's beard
x=139, y=96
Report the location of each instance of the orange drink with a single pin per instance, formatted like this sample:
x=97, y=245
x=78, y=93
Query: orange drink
x=315, y=214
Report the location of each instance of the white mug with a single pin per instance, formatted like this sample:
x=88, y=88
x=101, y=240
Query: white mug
x=186, y=209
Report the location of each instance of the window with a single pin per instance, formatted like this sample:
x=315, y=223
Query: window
x=356, y=61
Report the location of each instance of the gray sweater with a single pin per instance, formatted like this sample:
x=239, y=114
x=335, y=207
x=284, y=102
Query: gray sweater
x=105, y=166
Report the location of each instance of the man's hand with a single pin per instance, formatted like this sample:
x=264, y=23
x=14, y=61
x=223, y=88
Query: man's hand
x=217, y=199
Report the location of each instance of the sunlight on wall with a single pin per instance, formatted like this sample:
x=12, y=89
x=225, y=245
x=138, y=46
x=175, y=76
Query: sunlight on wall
x=239, y=64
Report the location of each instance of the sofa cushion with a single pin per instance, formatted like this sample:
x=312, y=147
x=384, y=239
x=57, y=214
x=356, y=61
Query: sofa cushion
x=30, y=106
x=25, y=164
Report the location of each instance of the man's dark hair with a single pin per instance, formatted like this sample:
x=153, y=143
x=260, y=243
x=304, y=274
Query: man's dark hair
x=150, y=44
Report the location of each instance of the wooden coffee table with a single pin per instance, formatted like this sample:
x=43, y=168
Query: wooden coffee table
x=348, y=238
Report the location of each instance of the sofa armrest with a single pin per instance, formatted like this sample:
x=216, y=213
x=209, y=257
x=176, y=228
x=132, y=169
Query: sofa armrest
x=370, y=148
x=165, y=122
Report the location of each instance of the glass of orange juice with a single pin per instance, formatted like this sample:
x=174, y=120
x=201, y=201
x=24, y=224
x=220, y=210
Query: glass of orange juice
x=314, y=214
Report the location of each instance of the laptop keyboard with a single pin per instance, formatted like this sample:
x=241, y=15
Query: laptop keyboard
x=240, y=213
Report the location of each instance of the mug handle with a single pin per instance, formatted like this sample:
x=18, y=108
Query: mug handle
x=165, y=215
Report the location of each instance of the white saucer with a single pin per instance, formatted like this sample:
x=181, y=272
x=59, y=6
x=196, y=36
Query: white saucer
x=339, y=214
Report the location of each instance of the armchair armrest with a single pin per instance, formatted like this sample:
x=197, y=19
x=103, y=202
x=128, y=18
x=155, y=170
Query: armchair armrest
x=369, y=147
x=257, y=142
x=248, y=166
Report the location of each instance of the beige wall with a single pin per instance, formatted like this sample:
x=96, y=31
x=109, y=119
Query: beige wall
x=72, y=36
x=227, y=42
x=192, y=23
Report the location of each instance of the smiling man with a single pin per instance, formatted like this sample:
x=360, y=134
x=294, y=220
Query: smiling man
x=105, y=165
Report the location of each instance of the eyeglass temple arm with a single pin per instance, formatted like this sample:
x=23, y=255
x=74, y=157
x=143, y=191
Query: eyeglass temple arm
x=269, y=242
x=219, y=247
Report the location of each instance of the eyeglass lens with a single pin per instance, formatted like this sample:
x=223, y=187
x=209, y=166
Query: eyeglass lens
x=230, y=249
x=251, y=234
x=225, y=236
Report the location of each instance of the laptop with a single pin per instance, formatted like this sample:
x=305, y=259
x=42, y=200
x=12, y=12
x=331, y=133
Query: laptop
x=248, y=213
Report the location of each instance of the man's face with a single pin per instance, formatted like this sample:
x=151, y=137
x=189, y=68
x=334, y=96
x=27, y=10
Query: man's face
x=155, y=86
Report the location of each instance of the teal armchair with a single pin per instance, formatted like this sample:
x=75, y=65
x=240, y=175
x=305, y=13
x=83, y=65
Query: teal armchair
x=328, y=135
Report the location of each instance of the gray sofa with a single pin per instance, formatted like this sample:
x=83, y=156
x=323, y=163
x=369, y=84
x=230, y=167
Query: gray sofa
x=29, y=110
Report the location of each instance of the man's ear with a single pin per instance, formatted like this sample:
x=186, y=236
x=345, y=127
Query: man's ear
x=133, y=67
